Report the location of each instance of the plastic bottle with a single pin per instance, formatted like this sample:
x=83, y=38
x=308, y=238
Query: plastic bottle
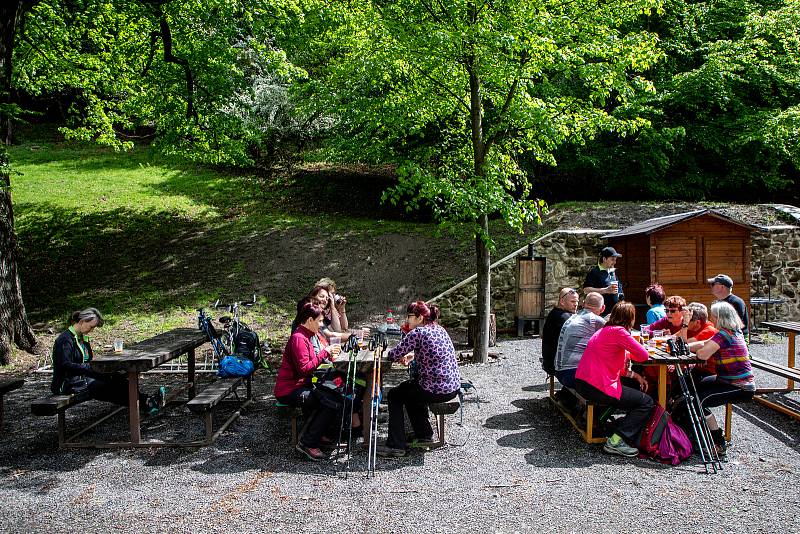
x=389, y=318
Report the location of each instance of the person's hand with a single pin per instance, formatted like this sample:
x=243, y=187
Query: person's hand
x=405, y=360
x=340, y=302
x=610, y=290
x=642, y=382
x=334, y=350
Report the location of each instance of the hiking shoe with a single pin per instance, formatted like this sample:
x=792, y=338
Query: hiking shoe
x=157, y=401
x=312, y=453
x=616, y=445
x=389, y=452
x=422, y=443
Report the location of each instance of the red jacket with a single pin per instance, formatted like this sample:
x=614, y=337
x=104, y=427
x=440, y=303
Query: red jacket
x=299, y=361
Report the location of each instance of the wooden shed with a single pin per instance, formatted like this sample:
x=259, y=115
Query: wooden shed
x=681, y=252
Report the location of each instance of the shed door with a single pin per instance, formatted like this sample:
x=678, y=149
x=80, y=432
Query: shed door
x=676, y=260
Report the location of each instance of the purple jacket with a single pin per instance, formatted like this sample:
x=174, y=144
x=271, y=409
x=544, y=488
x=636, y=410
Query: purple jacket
x=435, y=355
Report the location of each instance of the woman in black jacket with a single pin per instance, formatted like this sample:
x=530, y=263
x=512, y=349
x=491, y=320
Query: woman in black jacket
x=72, y=372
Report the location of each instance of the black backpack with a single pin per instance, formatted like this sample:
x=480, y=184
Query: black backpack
x=246, y=344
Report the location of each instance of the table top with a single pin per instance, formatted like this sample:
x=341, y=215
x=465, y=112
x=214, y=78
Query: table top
x=150, y=353
x=662, y=357
x=363, y=356
x=783, y=326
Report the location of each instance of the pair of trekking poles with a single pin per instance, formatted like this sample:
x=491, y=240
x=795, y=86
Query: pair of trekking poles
x=694, y=407
x=377, y=345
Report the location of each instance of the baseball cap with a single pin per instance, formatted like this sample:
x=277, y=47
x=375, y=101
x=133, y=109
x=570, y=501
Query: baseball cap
x=609, y=252
x=723, y=279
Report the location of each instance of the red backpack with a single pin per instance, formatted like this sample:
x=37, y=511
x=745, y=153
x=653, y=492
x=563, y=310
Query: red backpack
x=663, y=440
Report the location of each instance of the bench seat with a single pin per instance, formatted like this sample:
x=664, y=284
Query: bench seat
x=587, y=430
x=790, y=373
x=439, y=410
x=53, y=405
x=5, y=387
x=212, y=396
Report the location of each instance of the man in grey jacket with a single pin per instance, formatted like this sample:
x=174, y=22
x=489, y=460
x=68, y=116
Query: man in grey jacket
x=575, y=335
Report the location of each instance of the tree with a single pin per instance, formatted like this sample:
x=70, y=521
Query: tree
x=14, y=325
x=455, y=91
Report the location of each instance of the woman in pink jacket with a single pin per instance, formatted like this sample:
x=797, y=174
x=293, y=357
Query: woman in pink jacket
x=302, y=355
x=597, y=379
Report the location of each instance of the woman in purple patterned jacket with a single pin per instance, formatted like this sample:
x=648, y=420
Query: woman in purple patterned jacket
x=436, y=380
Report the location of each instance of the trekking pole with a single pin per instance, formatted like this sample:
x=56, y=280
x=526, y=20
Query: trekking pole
x=348, y=384
x=376, y=403
x=704, y=425
x=373, y=415
x=695, y=412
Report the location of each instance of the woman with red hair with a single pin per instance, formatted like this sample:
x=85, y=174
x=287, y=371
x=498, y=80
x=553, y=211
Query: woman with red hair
x=436, y=379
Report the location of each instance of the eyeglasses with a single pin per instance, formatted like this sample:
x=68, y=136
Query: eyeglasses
x=673, y=310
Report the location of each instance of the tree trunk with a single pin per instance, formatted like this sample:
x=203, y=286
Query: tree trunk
x=13, y=320
x=483, y=260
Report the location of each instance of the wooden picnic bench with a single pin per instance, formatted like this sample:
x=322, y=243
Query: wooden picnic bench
x=586, y=430
x=5, y=387
x=212, y=396
x=439, y=410
x=788, y=371
x=134, y=360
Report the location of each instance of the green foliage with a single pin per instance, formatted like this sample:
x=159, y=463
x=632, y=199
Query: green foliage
x=725, y=115
x=456, y=92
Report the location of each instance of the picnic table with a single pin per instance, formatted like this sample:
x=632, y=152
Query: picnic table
x=663, y=360
x=145, y=356
x=789, y=371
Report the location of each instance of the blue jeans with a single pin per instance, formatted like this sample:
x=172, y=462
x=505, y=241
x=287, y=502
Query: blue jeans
x=566, y=377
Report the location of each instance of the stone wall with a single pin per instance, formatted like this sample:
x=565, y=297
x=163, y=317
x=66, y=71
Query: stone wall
x=571, y=253
x=778, y=250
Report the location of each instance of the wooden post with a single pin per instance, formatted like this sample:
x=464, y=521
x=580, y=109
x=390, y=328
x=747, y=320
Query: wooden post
x=472, y=330
x=190, y=365
x=133, y=406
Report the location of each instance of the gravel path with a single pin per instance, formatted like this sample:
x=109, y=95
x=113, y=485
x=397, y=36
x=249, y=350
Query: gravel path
x=514, y=466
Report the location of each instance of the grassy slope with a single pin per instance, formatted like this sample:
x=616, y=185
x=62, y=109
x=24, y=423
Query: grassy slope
x=147, y=240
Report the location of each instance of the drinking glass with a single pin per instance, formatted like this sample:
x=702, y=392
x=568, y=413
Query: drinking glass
x=644, y=330
x=117, y=345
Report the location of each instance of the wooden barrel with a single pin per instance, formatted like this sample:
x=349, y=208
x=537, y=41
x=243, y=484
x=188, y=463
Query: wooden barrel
x=530, y=288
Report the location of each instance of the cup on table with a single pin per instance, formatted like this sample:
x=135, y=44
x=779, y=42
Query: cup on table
x=658, y=337
x=335, y=340
x=644, y=331
x=117, y=345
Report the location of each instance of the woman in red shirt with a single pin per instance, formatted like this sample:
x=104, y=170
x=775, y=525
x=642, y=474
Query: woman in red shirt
x=598, y=377
x=301, y=357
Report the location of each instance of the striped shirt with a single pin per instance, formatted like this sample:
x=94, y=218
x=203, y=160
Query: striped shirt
x=732, y=360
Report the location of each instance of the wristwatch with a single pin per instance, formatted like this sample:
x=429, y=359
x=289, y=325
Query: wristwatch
x=684, y=325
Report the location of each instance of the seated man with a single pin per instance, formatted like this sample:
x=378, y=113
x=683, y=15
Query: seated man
x=567, y=305
x=699, y=329
x=575, y=335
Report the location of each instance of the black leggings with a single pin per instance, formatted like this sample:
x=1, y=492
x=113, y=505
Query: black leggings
x=713, y=392
x=410, y=395
x=637, y=405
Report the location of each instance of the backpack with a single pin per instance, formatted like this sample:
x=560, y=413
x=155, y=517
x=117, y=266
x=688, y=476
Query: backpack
x=662, y=440
x=245, y=344
x=231, y=366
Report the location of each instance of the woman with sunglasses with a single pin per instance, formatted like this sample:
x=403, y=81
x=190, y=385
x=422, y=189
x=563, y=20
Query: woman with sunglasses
x=436, y=378
x=677, y=317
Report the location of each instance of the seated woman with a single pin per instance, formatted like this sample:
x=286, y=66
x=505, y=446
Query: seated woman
x=598, y=378
x=654, y=295
x=331, y=325
x=301, y=356
x=339, y=304
x=734, y=381
x=436, y=377
x=73, y=375
x=674, y=320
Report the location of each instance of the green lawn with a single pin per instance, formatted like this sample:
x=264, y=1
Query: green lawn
x=148, y=239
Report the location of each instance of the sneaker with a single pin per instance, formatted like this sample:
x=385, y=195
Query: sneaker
x=421, y=443
x=312, y=453
x=157, y=401
x=390, y=452
x=616, y=445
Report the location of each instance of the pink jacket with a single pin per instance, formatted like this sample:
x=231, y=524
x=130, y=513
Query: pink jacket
x=604, y=359
x=299, y=361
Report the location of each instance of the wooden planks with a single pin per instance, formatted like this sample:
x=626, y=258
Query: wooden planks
x=146, y=355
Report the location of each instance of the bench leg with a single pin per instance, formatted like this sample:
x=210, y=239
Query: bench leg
x=208, y=420
x=1, y=411
x=552, y=386
x=589, y=422
x=133, y=407
x=728, y=412
x=62, y=431
x=190, y=374
x=440, y=428
x=293, y=426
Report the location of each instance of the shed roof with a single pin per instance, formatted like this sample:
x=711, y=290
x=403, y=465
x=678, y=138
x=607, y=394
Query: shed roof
x=659, y=223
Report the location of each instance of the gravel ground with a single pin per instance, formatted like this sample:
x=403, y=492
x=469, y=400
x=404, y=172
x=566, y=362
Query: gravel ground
x=514, y=466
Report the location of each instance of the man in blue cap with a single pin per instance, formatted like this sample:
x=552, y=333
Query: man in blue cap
x=602, y=279
x=722, y=289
